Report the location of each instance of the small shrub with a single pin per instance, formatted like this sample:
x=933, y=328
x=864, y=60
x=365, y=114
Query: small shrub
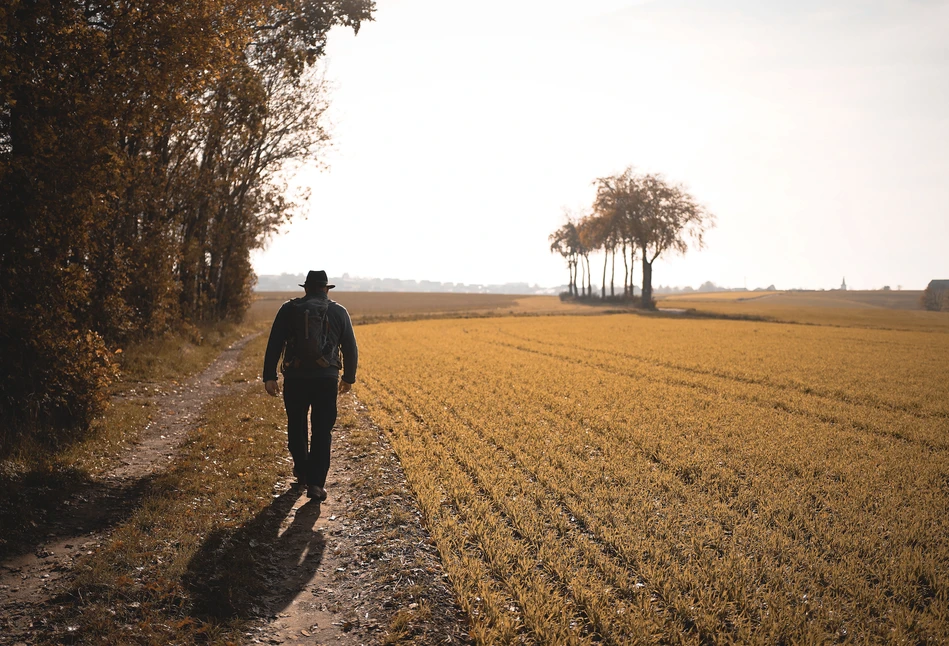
x=54, y=384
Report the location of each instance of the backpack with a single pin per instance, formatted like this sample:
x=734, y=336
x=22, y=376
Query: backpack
x=312, y=342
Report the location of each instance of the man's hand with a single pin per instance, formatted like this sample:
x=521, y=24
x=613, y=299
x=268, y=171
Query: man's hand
x=272, y=388
x=344, y=387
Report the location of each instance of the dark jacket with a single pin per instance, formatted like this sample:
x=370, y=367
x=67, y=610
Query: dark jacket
x=280, y=332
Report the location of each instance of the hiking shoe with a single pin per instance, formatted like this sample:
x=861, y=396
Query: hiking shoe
x=316, y=491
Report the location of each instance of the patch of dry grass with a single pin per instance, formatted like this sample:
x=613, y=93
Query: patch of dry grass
x=31, y=476
x=183, y=567
x=176, y=356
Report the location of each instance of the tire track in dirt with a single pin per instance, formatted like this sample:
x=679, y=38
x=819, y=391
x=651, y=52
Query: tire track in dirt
x=30, y=577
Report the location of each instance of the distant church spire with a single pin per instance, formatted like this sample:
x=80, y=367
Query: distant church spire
x=843, y=285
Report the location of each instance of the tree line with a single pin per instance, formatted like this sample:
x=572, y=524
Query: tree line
x=936, y=296
x=637, y=215
x=141, y=150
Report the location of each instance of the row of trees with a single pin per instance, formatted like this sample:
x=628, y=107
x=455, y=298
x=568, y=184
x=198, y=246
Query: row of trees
x=141, y=152
x=638, y=215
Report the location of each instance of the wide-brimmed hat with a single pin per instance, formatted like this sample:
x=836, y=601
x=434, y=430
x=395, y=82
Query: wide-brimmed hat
x=317, y=278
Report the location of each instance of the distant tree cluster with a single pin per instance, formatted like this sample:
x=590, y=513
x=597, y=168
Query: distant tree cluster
x=638, y=215
x=936, y=296
x=141, y=145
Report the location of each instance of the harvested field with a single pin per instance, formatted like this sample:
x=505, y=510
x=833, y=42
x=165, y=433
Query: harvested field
x=625, y=479
x=367, y=306
x=878, y=309
x=898, y=300
x=706, y=297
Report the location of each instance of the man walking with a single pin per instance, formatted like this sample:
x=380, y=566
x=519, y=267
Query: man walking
x=310, y=332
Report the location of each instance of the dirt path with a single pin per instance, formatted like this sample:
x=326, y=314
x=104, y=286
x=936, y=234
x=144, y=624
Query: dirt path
x=380, y=579
x=78, y=524
x=358, y=569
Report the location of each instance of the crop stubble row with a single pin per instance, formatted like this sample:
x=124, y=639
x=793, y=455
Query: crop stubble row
x=628, y=480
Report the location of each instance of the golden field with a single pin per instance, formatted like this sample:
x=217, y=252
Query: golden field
x=706, y=297
x=630, y=479
x=901, y=300
x=372, y=306
x=895, y=310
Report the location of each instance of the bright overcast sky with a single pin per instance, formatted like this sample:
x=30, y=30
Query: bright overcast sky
x=817, y=132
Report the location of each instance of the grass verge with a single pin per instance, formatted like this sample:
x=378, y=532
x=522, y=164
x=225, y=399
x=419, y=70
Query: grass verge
x=186, y=566
x=33, y=476
x=176, y=356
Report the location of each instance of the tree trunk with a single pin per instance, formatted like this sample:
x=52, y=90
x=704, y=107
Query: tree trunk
x=613, y=273
x=632, y=270
x=580, y=275
x=606, y=259
x=589, y=277
x=582, y=287
x=646, y=302
x=626, y=283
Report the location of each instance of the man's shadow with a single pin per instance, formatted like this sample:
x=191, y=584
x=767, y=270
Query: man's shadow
x=257, y=571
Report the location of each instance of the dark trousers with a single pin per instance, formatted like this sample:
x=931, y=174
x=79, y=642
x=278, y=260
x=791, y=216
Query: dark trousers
x=301, y=396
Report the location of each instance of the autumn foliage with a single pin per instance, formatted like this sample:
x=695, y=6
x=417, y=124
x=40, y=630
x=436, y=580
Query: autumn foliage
x=141, y=149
